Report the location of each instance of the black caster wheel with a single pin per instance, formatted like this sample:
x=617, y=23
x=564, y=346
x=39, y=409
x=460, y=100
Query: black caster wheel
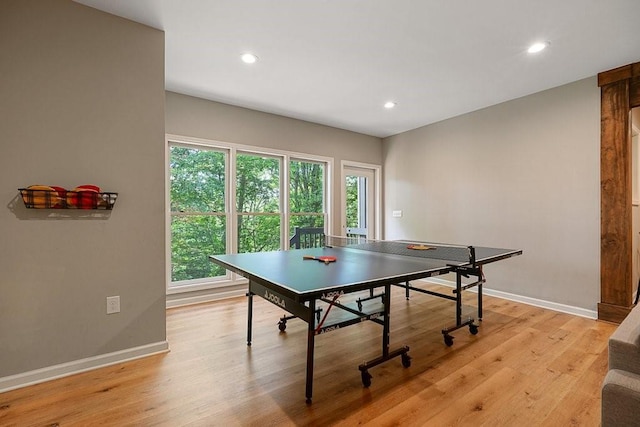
x=448, y=340
x=282, y=325
x=473, y=329
x=366, y=379
x=406, y=360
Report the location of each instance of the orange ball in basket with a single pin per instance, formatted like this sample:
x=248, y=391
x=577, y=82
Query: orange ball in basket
x=83, y=196
x=41, y=196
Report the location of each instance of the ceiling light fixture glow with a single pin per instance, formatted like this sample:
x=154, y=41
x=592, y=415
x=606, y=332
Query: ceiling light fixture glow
x=538, y=47
x=249, y=58
x=389, y=104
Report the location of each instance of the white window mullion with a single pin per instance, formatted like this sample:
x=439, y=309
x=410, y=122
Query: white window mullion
x=327, y=193
x=232, y=212
x=284, y=203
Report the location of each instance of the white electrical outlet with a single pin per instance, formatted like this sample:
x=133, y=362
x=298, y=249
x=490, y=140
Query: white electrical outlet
x=113, y=304
x=397, y=214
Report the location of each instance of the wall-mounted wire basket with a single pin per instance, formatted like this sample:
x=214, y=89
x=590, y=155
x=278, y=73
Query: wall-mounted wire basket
x=63, y=199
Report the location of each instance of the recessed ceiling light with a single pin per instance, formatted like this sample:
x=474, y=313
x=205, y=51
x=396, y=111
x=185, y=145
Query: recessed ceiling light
x=249, y=58
x=538, y=47
x=389, y=104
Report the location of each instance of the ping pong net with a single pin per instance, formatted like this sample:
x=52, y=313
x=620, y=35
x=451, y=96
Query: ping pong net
x=439, y=251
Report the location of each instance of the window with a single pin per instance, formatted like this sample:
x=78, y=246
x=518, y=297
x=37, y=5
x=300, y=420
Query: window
x=230, y=199
x=258, y=203
x=356, y=210
x=198, y=211
x=359, y=193
x=306, y=194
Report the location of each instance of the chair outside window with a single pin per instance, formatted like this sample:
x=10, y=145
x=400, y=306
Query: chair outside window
x=307, y=237
x=304, y=238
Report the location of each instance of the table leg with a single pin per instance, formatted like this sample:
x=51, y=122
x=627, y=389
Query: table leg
x=385, y=327
x=386, y=338
x=311, y=335
x=249, y=316
x=458, y=298
x=480, y=279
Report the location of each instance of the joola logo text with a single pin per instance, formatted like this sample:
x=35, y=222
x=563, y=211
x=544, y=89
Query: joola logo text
x=274, y=299
x=333, y=294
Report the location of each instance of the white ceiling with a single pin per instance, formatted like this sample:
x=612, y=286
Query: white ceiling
x=336, y=62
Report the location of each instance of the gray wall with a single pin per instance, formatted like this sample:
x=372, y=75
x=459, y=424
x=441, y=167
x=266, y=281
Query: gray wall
x=523, y=174
x=82, y=102
x=199, y=118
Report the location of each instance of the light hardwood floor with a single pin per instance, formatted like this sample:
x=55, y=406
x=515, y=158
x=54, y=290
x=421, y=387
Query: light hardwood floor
x=526, y=367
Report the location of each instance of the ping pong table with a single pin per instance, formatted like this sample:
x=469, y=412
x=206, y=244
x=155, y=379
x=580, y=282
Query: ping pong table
x=307, y=288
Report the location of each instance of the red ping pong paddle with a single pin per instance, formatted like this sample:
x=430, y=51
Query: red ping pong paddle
x=325, y=259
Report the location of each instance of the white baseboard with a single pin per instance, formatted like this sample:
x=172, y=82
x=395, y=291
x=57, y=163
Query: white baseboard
x=208, y=297
x=578, y=311
x=13, y=382
x=563, y=308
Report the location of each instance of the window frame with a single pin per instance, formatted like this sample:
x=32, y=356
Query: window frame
x=231, y=212
x=205, y=282
x=237, y=213
x=325, y=201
